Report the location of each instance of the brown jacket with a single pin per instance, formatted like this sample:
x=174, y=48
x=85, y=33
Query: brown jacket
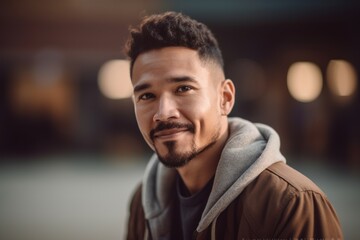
x=280, y=203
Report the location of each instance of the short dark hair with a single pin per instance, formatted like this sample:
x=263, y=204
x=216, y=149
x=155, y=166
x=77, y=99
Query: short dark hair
x=172, y=29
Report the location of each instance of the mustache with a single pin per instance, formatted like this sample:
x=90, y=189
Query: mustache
x=171, y=125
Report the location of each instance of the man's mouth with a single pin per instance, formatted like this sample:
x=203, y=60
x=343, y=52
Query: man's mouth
x=170, y=130
x=168, y=133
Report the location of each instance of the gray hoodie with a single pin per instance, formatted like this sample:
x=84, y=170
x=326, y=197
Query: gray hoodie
x=250, y=149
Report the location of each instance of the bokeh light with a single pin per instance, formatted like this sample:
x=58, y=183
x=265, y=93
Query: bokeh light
x=114, y=79
x=341, y=78
x=304, y=81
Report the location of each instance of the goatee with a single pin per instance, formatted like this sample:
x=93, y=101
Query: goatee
x=175, y=157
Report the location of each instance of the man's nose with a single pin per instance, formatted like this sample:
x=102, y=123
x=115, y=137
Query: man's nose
x=167, y=109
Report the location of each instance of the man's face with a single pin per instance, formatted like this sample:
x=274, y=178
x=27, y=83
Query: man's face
x=177, y=103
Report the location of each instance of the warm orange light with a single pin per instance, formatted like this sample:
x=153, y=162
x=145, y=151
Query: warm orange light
x=304, y=81
x=341, y=77
x=114, y=79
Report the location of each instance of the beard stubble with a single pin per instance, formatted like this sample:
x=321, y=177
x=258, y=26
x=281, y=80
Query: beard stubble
x=175, y=158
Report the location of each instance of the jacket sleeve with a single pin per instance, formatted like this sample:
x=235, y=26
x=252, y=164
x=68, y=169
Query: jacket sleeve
x=136, y=221
x=308, y=215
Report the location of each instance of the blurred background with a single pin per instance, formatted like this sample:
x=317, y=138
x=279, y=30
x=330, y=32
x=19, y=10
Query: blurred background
x=70, y=150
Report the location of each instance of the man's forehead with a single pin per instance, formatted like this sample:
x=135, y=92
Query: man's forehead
x=166, y=53
x=170, y=60
x=171, y=63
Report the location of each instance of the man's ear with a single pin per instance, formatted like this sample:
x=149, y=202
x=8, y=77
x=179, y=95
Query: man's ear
x=227, y=96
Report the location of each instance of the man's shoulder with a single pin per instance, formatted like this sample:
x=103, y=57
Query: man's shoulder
x=273, y=194
x=280, y=183
x=284, y=175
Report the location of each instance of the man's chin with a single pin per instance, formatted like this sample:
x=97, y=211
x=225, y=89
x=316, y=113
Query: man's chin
x=172, y=162
x=176, y=160
x=172, y=153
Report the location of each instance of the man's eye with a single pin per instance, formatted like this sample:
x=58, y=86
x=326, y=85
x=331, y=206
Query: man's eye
x=146, y=96
x=184, y=89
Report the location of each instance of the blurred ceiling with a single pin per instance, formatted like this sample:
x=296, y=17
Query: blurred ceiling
x=247, y=11
x=124, y=10
x=93, y=28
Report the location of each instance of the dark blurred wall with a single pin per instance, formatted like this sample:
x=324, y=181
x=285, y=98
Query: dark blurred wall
x=51, y=52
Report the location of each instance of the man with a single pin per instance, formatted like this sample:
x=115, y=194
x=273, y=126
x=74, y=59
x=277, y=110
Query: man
x=211, y=177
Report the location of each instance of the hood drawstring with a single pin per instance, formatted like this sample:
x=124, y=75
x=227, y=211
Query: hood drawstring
x=213, y=229
x=147, y=230
x=146, y=234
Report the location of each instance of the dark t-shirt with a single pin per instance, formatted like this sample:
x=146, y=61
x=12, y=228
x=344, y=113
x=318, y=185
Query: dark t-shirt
x=189, y=208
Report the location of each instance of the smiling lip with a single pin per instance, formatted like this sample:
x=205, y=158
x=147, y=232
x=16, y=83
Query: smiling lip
x=169, y=133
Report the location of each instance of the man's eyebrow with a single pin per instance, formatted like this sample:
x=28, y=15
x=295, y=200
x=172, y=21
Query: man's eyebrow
x=145, y=86
x=141, y=87
x=182, y=79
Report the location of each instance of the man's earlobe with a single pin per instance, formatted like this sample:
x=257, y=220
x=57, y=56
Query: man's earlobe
x=228, y=97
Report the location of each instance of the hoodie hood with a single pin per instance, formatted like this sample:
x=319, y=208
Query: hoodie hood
x=249, y=150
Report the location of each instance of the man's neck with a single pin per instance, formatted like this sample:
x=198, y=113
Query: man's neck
x=196, y=173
